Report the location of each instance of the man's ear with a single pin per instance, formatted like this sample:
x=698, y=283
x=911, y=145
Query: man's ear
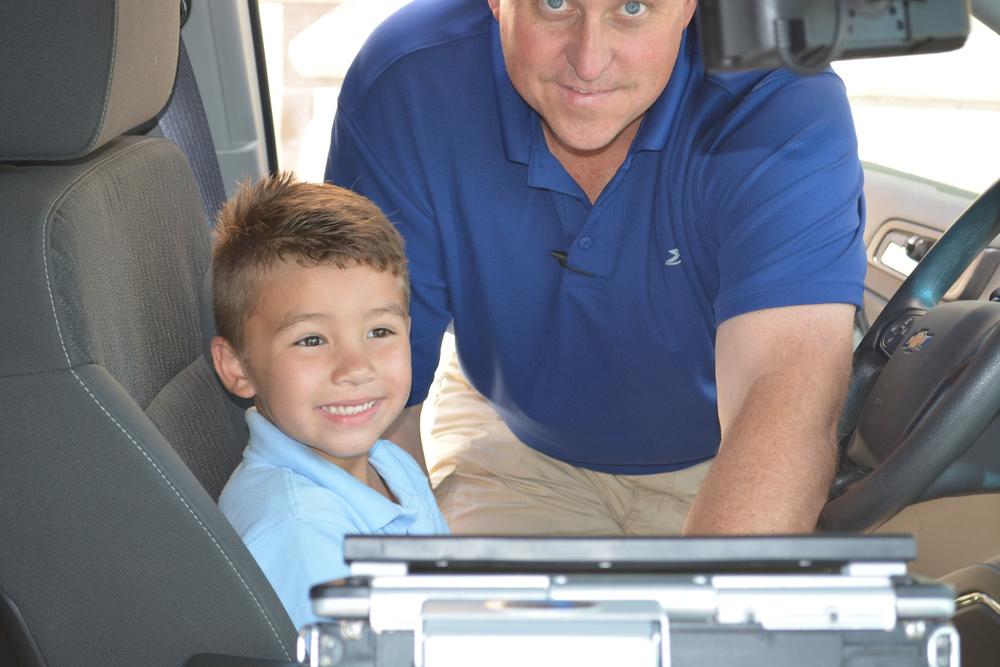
x=495, y=8
x=230, y=368
x=691, y=6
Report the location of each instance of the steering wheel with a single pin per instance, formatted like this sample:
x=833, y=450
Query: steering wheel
x=925, y=382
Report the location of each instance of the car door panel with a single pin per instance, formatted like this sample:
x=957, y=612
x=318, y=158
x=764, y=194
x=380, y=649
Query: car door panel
x=901, y=207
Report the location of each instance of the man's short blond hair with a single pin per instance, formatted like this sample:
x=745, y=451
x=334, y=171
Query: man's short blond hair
x=279, y=219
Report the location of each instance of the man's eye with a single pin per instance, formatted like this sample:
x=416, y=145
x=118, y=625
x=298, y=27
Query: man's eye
x=634, y=8
x=380, y=332
x=555, y=5
x=309, y=341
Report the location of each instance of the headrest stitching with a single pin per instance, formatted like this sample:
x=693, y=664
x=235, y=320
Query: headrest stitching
x=110, y=81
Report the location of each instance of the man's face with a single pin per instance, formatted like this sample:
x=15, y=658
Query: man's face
x=327, y=357
x=590, y=68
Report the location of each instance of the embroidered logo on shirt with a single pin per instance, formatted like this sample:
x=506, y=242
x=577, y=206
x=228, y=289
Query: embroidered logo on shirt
x=674, y=259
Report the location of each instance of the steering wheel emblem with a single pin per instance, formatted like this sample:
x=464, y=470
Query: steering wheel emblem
x=917, y=341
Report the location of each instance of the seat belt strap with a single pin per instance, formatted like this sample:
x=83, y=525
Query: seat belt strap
x=184, y=122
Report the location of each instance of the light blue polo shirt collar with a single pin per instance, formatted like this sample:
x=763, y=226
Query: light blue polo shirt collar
x=271, y=444
x=520, y=126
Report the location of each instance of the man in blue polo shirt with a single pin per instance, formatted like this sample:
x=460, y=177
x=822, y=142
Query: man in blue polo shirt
x=651, y=270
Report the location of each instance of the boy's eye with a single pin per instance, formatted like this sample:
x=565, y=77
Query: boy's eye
x=380, y=332
x=309, y=341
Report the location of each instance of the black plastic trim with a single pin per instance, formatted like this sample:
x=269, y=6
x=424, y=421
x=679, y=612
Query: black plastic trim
x=265, y=89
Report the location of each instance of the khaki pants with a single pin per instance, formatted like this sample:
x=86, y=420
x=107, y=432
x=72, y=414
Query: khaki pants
x=487, y=482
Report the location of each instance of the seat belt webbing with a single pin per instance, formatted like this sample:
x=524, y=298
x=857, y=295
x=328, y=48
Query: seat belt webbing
x=184, y=122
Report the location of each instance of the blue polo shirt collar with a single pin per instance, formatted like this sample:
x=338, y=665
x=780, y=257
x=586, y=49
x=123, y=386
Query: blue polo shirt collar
x=655, y=129
x=515, y=114
x=270, y=443
x=520, y=126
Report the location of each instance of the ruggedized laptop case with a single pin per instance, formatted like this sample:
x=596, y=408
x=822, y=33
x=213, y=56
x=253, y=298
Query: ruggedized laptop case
x=812, y=601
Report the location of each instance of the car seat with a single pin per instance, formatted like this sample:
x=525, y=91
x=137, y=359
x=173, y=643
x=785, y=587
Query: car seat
x=112, y=550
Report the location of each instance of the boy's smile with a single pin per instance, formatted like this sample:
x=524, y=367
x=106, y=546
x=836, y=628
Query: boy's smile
x=327, y=357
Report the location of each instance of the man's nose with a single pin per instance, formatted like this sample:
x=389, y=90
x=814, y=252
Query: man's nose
x=590, y=51
x=353, y=366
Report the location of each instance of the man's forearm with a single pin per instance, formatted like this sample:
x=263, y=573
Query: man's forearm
x=405, y=432
x=780, y=390
x=775, y=464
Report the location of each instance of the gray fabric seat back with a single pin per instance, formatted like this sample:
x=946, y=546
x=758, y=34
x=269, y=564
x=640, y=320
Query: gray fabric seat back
x=112, y=551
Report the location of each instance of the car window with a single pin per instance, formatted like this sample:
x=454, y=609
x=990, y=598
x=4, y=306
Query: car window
x=931, y=116
x=308, y=47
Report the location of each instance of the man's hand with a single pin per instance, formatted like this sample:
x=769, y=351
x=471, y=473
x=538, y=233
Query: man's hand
x=782, y=376
x=405, y=432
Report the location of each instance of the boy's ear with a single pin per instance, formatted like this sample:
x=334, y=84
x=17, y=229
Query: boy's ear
x=230, y=368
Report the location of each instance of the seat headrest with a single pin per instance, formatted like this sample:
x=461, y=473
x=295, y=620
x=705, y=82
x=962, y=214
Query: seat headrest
x=75, y=75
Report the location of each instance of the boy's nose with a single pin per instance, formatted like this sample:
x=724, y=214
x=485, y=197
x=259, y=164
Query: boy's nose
x=353, y=367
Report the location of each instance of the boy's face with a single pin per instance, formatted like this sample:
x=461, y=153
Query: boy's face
x=326, y=357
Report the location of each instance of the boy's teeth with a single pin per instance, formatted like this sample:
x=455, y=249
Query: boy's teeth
x=347, y=409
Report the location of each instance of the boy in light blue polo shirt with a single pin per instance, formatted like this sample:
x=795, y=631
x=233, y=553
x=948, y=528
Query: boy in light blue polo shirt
x=311, y=297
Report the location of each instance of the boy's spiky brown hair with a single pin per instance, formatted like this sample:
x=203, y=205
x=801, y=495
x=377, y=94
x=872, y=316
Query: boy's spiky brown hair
x=280, y=219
